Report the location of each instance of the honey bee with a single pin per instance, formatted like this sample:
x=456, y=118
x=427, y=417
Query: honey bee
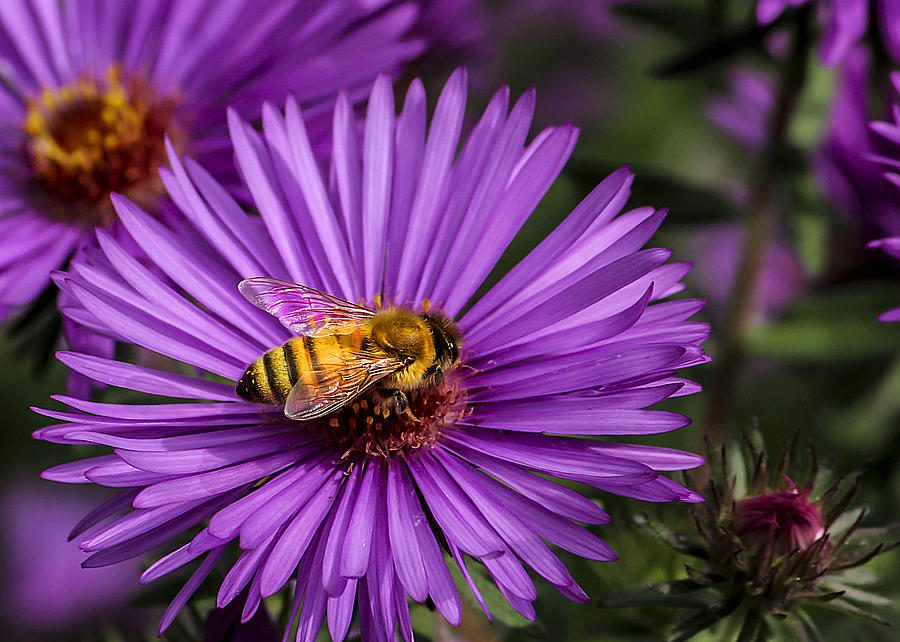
x=344, y=350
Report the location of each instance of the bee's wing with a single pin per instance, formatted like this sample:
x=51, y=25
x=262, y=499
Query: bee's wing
x=337, y=386
x=301, y=309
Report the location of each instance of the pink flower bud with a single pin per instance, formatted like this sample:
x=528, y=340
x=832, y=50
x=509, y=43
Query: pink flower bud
x=778, y=522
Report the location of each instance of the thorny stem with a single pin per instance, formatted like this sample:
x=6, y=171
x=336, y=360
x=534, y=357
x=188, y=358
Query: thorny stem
x=762, y=213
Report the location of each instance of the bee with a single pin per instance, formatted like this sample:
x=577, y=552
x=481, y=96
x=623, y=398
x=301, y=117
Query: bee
x=342, y=350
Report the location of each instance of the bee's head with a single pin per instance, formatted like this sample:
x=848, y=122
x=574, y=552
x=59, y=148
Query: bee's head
x=447, y=338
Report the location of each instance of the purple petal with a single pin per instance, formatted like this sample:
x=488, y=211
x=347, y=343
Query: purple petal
x=494, y=180
x=289, y=549
x=582, y=421
x=439, y=150
x=340, y=611
x=405, y=517
x=188, y=589
x=357, y=549
x=465, y=178
x=377, y=165
x=212, y=483
x=410, y=143
x=590, y=369
x=597, y=207
x=141, y=379
x=540, y=166
x=846, y=25
x=465, y=529
x=331, y=579
x=282, y=507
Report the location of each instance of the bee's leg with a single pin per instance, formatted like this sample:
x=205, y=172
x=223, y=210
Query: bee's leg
x=400, y=401
x=402, y=404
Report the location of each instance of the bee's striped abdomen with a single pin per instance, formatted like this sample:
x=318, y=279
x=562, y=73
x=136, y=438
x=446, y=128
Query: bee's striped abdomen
x=270, y=378
x=307, y=360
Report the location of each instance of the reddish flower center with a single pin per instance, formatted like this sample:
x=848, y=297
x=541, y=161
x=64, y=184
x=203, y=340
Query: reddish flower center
x=373, y=425
x=93, y=137
x=778, y=522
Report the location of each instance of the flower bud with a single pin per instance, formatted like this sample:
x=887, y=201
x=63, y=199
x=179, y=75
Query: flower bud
x=778, y=522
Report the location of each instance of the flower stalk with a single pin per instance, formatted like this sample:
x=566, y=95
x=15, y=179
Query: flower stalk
x=762, y=222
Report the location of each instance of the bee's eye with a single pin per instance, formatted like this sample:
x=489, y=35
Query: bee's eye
x=451, y=348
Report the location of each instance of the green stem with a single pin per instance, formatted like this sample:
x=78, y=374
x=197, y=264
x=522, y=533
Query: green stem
x=762, y=213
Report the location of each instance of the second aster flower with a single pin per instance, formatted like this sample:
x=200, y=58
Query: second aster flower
x=367, y=504
x=89, y=90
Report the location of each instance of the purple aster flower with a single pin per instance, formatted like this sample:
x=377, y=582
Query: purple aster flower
x=851, y=181
x=885, y=150
x=369, y=504
x=89, y=87
x=845, y=22
x=44, y=587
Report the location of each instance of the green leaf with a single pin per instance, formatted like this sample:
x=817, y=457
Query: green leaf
x=858, y=595
x=850, y=609
x=692, y=626
x=674, y=539
x=753, y=628
x=809, y=627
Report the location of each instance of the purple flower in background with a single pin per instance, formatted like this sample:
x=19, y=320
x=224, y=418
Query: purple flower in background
x=451, y=27
x=717, y=252
x=889, y=158
x=849, y=178
x=744, y=112
x=891, y=245
x=572, y=342
x=845, y=22
x=44, y=587
x=90, y=88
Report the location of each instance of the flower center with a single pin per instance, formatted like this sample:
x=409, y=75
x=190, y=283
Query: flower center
x=374, y=425
x=93, y=137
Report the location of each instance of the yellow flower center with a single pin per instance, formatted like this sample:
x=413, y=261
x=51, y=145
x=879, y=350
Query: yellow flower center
x=93, y=137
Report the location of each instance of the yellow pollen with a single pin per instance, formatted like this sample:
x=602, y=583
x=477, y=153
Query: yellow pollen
x=92, y=137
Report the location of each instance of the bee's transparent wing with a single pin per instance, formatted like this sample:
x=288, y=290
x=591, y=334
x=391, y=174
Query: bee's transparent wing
x=337, y=386
x=301, y=309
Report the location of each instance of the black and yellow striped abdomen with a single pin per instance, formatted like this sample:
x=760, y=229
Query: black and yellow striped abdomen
x=271, y=377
